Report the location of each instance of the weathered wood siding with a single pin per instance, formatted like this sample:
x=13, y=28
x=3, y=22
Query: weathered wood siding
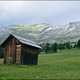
x=29, y=49
x=29, y=55
x=10, y=51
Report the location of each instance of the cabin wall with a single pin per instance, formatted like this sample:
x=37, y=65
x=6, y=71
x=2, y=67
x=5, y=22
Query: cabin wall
x=10, y=50
x=29, y=55
x=30, y=49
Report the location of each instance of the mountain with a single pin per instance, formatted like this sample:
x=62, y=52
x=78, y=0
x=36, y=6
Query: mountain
x=72, y=31
x=3, y=33
x=32, y=32
x=44, y=32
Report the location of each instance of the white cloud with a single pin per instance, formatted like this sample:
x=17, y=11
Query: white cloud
x=15, y=10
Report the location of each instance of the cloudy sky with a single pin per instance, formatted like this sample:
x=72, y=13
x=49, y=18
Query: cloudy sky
x=31, y=12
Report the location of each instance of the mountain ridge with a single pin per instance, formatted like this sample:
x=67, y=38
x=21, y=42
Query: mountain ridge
x=42, y=33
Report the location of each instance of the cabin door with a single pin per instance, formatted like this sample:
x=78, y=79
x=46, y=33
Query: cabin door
x=29, y=59
x=18, y=54
x=26, y=58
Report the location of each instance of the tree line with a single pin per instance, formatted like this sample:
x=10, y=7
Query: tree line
x=54, y=47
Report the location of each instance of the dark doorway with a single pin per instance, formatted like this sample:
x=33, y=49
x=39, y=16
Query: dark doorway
x=29, y=59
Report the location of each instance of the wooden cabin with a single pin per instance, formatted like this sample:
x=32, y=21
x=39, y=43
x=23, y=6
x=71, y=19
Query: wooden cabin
x=18, y=50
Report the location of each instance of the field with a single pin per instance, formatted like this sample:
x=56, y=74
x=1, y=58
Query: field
x=63, y=65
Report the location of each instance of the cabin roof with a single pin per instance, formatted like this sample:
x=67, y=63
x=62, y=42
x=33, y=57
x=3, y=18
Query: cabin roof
x=22, y=40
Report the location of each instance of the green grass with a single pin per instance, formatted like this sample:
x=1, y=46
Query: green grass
x=63, y=65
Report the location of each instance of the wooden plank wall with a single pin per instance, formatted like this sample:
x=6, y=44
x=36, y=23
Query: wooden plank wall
x=29, y=49
x=9, y=52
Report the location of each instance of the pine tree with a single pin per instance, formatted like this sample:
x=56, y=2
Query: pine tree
x=68, y=46
x=78, y=44
x=54, y=47
x=61, y=46
x=47, y=48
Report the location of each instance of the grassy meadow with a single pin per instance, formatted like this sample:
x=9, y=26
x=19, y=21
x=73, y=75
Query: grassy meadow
x=62, y=65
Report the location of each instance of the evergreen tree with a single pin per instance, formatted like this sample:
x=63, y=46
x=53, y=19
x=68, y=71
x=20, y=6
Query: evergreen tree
x=61, y=46
x=68, y=46
x=78, y=44
x=47, y=48
x=54, y=47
